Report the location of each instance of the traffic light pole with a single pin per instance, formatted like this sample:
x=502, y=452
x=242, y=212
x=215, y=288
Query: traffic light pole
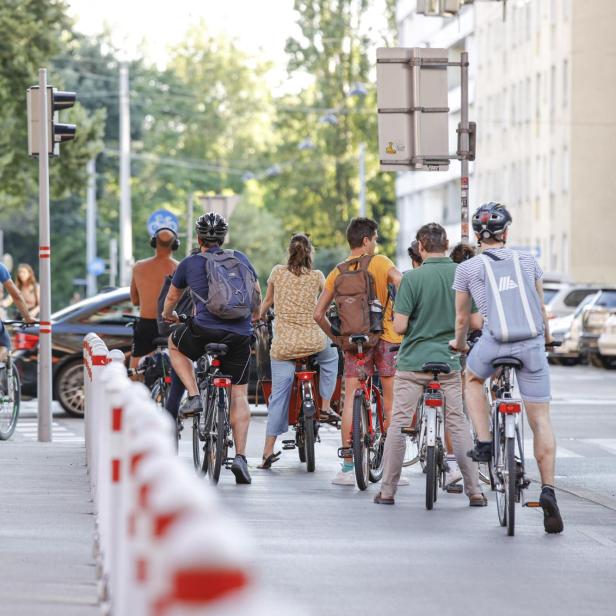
x=464, y=146
x=44, y=363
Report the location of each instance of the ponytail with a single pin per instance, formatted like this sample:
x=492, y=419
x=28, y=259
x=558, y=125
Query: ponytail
x=300, y=254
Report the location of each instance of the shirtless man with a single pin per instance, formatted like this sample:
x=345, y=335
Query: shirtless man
x=148, y=277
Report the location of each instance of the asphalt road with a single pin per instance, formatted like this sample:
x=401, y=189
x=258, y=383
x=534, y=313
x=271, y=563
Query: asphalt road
x=330, y=549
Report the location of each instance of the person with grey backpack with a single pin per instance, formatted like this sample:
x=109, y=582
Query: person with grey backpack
x=227, y=298
x=507, y=288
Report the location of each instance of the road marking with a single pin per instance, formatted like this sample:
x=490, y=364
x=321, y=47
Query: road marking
x=607, y=444
x=29, y=429
x=608, y=543
x=561, y=452
x=584, y=401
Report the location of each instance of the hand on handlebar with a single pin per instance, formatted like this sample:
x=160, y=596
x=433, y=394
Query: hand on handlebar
x=171, y=318
x=453, y=346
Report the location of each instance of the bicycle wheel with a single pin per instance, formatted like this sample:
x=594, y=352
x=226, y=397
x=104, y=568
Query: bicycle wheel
x=377, y=448
x=431, y=476
x=10, y=398
x=497, y=466
x=216, y=438
x=359, y=441
x=511, y=482
x=309, y=443
x=198, y=442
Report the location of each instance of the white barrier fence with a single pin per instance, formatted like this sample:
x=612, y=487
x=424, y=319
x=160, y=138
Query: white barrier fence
x=162, y=543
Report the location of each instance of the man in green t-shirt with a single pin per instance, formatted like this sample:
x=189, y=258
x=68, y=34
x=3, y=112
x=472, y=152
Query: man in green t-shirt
x=424, y=312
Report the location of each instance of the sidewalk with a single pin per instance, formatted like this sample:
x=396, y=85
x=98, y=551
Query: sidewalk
x=46, y=531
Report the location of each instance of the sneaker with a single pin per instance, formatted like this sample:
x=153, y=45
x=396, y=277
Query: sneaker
x=191, y=406
x=481, y=452
x=240, y=469
x=344, y=478
x=552, y=520
x=452, y=476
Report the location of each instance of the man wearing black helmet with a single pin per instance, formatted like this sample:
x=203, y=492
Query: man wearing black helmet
x=188, y=341
x=507, y=287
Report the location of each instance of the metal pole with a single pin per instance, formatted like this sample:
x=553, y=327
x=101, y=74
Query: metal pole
x=44, y=363
x=464, y=146
x=126, y=228
x=190, y=223
x=113, y=261
x=1, y=243
x=91, y=228
x=362, y=179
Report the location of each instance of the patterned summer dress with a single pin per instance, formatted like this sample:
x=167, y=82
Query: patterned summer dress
x=295, y=332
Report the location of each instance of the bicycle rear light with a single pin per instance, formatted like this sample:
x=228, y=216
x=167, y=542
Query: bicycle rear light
x=509, y=407
x=167, y=380
x=222, y=381
x=434, y=401
x=305, y=375
x=25, y=342
x=434, y=385
x=216, y=363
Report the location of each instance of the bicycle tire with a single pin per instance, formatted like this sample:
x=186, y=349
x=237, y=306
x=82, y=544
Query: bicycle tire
x=198, y=445
x=159, y=393
x=377, y=447
x=309, y=444
x=431, y=476
x=498, y=457
x=511, y=484
x=361, y=451
x=413, y=443
x=13, y=403
x=217, y=438
x=299, y=443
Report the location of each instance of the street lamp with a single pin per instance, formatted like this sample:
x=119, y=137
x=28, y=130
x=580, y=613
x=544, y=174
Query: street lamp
x=360, y=90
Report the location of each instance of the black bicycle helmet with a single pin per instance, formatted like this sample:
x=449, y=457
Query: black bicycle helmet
x=490, y=219
x=211, y=227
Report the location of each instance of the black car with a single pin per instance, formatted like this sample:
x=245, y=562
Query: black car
x=107, y=315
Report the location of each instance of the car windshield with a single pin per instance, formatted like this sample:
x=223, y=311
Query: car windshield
x=606, y=299
x=585, y=302
x=548, y=294
x=73, y=308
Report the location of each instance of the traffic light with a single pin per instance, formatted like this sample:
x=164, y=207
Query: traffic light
x=58, y=133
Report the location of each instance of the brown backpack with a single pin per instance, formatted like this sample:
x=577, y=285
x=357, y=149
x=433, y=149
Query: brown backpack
x=354, y=293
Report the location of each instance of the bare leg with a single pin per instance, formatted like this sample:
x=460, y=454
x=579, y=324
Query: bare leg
x=477, y=406
x=350, y=385
x=183, y=367
x=4, y=354
x=268, y=449
x=544, y=445
x=240, y=417
x=387, y=383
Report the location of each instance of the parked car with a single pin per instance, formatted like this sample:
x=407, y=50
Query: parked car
x=594, y=318
x=561, y=302
x=607, y=343
x=107, y=315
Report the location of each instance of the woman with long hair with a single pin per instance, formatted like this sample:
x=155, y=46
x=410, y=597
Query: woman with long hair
x=293, y=290
x=27, y=284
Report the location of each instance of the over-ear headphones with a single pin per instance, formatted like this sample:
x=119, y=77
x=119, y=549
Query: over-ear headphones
x=174, y=245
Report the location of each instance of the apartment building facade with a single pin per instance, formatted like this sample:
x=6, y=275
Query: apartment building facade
x=543, y=94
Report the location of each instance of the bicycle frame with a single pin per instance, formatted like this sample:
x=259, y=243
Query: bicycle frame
x=366, y=387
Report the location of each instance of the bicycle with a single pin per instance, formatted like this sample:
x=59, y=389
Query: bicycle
x=368, y=429
x=507, y=465
x=10, y=392
x=212, y=425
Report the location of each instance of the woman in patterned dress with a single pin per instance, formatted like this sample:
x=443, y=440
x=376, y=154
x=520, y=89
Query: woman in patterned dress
x=294, y=289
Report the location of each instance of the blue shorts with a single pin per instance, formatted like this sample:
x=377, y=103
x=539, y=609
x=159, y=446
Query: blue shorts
x=5, y=339
x=533, y=379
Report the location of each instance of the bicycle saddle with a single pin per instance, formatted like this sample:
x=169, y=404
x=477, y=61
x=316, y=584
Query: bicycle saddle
x=436, y=367
x=358, y=338
x=160, y=342
x=216, y=349
x=511, y=362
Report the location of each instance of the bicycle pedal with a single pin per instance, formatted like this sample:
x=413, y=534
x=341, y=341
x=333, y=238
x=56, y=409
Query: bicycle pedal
x=533, y=504
x=345, y=452
x=288, y=444
x=228, y=462
x=454, y=488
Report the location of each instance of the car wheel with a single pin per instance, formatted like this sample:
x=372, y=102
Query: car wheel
x=69, y=390
x=607, y=361
x=569, y=361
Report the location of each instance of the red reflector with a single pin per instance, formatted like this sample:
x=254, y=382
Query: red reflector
x=509, y=407
x=434, y=402
x=222, y=381
x=216, y=363
x=360, y=355
x=167, y=380
x=25, y=342
x=305, y=375
x=434, y=385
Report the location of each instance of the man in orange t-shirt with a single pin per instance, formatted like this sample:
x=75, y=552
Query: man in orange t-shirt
x=362, y=236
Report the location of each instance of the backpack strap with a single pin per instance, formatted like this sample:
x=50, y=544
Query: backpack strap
x=500, y=309
x=522, y=288
x=493, y=257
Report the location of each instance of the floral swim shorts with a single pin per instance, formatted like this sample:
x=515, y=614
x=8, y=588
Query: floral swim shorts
x=381, y=356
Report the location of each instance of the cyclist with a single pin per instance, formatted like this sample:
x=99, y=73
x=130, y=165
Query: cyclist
x=362, y=236
x=293, y=289
x=491, y=223
x=147, y=280
x=424, y=313
x=18, y=299
x=188, y=341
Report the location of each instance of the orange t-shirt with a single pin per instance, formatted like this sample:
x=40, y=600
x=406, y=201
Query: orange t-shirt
x=379, y=267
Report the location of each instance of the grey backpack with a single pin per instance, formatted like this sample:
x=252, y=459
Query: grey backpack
x=232, y=286
x=513, y=306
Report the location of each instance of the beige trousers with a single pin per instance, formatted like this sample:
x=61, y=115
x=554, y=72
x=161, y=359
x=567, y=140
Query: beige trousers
x=408, y=389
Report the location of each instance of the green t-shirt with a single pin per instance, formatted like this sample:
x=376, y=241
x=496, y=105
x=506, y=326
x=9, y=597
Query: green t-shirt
x=426, y=297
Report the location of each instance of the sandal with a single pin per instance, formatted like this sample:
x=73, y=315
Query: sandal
x=478, y=500
x=381, y=500
x=267, y=462
x=329, y=416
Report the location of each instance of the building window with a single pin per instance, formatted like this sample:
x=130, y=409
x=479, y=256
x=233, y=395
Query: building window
x=552, y=172
x=565, y=82
x=529, y=21
x=565, y=170
x=552, y=96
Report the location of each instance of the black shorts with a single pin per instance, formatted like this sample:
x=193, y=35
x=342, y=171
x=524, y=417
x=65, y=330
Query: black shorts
x=191, y=340
x=145, y=331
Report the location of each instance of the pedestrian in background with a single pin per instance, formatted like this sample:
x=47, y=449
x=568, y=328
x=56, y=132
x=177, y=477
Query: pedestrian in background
x=26, y=282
